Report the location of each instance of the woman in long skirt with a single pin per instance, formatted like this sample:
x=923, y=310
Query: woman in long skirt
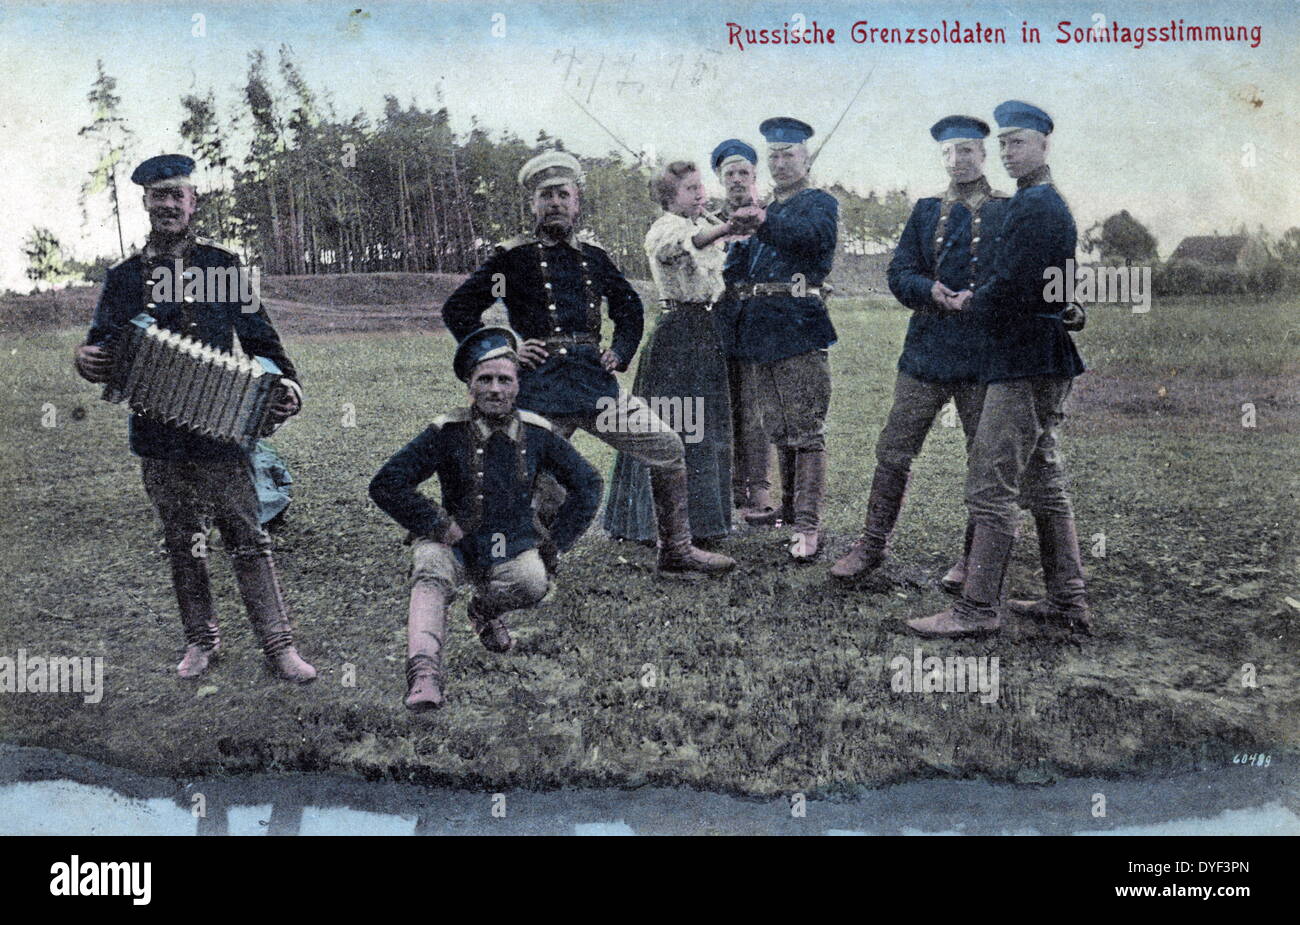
x=683, y=369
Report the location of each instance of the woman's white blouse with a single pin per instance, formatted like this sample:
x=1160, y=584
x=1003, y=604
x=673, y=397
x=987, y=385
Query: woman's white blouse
x=681, y=270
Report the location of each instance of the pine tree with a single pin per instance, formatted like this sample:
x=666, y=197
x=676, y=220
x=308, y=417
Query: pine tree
x=113, y=139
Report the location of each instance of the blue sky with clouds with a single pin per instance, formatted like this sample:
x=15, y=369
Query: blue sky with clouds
x=1191, y=138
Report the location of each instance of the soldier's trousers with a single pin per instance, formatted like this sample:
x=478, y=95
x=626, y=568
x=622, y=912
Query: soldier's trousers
x=509, y=585
x=630, y=427
x=916, y=404
x=1016, y=457
x=794, y=396
x=186, y=492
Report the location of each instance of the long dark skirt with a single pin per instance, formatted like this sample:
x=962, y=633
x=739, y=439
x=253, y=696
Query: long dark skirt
x=683, y=360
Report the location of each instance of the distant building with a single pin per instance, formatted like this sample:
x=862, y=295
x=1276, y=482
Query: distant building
x=1238, y=250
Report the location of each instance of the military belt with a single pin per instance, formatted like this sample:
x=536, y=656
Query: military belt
x=675, y=305
x=562, y=344
x=753, y=290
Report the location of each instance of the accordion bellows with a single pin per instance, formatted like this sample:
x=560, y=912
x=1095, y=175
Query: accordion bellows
x=174, y=379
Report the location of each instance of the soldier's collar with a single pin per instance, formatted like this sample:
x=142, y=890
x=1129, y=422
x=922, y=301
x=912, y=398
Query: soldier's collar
x=179, y=247
x=976, y=190
x=485, y=427
x=571, y=240
x=805, y=183
x=1035, y=177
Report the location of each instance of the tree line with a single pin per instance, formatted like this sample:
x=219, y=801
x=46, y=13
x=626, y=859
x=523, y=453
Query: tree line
x=299, y=189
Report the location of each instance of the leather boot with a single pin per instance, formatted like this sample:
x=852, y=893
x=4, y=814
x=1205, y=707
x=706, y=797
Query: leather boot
x=676, y=554
x=868, y=552
x=1066, y=603
x=492, y=630
x=194, y=599
x=425, y=629
x=758, y=503
x=258, y=586
x=753, y=463
x=809, y=488
x=956, y=576
x=785, y=513
x=977, y=611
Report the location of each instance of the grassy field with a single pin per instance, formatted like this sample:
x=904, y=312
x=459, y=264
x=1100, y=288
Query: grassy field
x=770, y=680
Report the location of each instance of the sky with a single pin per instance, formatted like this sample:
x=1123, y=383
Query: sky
x=1191, y=138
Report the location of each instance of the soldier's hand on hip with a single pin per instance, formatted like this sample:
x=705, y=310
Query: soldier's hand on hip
x=94, y=364
x=610, y=361
x=532, y=353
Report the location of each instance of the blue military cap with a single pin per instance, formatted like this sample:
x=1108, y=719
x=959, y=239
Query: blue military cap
x=1013, y=114
x=730, y=150
x=164, y=170
x=959, y=128
x=783, y=130
x=484, y=344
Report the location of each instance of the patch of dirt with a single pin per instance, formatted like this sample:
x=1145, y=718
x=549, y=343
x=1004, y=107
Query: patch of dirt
x=1115, y=401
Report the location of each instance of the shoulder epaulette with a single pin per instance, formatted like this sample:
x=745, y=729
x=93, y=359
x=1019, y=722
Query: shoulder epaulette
x=125, y=260
x=587, y=236
x=536, y=420
x=208, y=242
x=518, y=240
x=458, y=416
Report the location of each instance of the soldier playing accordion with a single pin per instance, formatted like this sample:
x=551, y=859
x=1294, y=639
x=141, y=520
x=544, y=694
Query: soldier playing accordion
x=188, y=473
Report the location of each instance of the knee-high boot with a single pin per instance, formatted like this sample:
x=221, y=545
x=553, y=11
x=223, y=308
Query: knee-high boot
x=888, y=488
x=1066, y=601
x=809, y=490
x=426, y=627
x=258, y=586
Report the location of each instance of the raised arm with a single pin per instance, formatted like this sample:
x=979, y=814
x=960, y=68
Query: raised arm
x=809, y=230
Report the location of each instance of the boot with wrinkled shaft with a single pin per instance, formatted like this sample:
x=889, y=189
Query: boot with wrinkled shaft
x=809, y=490
x=194, y=599
x=258, y=586
x=785, y=513
x=426, y=626
x=977, y=612
x=868, y=552
x=676, y=554
x=1066, y=603
x=955, y=577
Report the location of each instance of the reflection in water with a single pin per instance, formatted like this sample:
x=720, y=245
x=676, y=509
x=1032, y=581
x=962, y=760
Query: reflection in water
x=47, y=793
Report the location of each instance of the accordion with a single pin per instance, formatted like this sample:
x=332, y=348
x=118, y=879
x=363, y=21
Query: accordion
x=174, y=379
